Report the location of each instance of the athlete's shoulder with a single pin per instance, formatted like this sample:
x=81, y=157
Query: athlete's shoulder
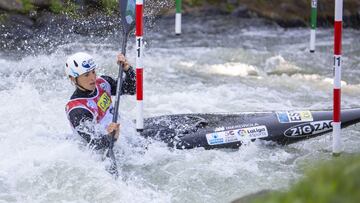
x=108, y=79
x=105, y=83
x=74, y=95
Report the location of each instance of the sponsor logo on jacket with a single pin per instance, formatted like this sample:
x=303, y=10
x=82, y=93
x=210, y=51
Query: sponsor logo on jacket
x=104, y=102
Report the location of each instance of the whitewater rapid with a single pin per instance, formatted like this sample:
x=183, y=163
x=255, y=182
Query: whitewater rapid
x=207, y=69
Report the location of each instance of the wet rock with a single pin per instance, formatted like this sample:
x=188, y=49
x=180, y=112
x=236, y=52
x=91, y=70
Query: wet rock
x=20, y=19
x=352, y=20
x=357, y=19
x=17, y=27
x=41, y=3
x=82, y=5
x=231, y=1
x=288, y=8
x=50, y=28
x=47, y=20
x=214, y=10
x=16, y=32
x=242, y=12
x=11, y=5
x=14, y=35
x=97, y=24
x=291, y=22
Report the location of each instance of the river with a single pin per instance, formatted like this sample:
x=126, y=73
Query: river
x=218, y=64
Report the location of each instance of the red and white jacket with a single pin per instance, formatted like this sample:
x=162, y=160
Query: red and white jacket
x=100, y=105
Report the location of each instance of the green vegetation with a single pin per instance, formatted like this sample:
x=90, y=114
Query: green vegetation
x=230, y=8
x=69, y=7
x=27, y=6
x=109, y=6
x=201, y=2
x=3, y=17
x=333, y=181
x=56, y=6
x=194, y=2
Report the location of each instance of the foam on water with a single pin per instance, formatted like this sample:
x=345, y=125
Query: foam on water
x=38, y=162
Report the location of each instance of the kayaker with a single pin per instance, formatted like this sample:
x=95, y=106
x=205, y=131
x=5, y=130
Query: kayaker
x=90, y=108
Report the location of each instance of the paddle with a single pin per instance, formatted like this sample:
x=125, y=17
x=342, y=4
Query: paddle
x=127, y=15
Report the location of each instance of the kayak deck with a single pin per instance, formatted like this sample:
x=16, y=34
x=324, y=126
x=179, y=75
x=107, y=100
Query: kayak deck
x=186, y=131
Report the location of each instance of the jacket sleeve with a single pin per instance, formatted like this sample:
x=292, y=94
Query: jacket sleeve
x=82, y=121
x=128, y=85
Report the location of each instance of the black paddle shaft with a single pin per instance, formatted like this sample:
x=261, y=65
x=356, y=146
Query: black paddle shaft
x=120, y=80
x=127, y=27
x=113, y=168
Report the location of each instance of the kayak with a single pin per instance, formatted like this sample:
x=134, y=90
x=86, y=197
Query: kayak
x=231, y=130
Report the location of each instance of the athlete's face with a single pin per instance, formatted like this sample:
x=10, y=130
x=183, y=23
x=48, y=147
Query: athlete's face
x=87, y=80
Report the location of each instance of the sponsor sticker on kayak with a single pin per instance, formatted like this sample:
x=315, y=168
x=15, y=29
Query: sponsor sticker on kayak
x=307, y=129
x=252, y=132
x=223, y=128
x=236, y=135
x=223, y=137
x=216, y=138
x=294, y=116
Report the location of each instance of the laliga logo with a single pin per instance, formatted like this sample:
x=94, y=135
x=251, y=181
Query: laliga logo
x=242, y=132
x=88, y=64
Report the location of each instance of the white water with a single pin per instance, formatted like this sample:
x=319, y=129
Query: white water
x=257, y=69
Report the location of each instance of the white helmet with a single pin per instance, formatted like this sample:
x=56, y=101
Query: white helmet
x=78, y=64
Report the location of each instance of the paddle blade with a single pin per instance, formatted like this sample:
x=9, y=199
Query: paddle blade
x=127, y=14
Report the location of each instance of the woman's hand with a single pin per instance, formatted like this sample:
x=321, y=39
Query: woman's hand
x=114, y=127
x=121, y=60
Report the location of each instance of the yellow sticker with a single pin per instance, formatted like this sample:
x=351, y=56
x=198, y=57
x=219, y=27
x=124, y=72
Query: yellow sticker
x=104, y=102
x=306, y=116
